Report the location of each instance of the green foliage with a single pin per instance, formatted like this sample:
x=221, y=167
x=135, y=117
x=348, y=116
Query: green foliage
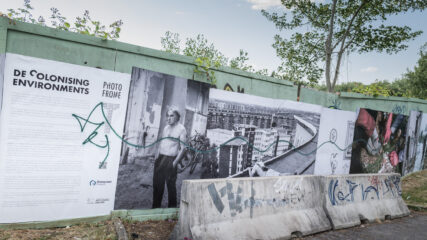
x=344, y=87
x=299, y=64
x=416, y=80
x=240, y=62
x=347, y=87
x=325, y=30
x=204, y=66
x=170, y=42
x=412, y=84
x=200, y=47
x=207, y=56
x=374, y=89
x=83, y=25
x=399, y=88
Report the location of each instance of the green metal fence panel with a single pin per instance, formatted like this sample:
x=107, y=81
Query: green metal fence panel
x=3, y=36
x=417, y=105
x=55, y=49
x=312, y=96
x=285, y=92
x=126, y=60
x=233, y=82
x=352, y=101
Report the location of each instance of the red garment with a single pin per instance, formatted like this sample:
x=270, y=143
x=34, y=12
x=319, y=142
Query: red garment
x=387, y=133
x=367, y=121
x=394, y=159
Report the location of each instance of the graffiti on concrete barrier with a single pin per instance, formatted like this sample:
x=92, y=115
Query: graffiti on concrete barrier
x=225, y=196
x=347, y=192
x=336, y=195
x=234, y=199
x=289, y=192
x=390, y=182
x=369, y=189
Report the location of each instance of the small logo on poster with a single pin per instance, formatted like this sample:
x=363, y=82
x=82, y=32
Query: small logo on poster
x=99, y=182
x=92, y=183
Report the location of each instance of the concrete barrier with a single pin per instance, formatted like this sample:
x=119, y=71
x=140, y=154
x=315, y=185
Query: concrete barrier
x=350, y=199
x=252, y=208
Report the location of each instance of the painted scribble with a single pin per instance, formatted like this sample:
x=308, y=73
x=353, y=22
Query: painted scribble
x=352, y=191
x=286, y=195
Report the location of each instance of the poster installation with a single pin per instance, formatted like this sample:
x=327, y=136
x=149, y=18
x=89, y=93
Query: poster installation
x=164, y=115
x=379, y=142
x=59, y=154
x=179, y=129
x=416, y=143
x=335, y=141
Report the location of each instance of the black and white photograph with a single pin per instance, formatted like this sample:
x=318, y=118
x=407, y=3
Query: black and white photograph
x=165, y=114
x=271, y=137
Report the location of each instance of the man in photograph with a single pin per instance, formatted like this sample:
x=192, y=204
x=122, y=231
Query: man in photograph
x=171, y=151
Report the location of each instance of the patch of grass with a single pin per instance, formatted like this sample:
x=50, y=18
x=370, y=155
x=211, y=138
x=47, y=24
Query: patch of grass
x=96, y=231
x=4, y=237
x=44, y=238
x=414, y=189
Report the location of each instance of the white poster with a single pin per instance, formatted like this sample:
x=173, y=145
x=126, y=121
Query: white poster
x=60, y=129
x=2, y=58
x=334, y=142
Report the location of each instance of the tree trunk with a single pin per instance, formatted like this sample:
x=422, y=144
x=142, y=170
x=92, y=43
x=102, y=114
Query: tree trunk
x=337, y=68
x=328, y=72
x=328, y=49
x=331, y=86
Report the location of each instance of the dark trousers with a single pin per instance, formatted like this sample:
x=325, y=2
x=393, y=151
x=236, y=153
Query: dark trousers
x=164, y=172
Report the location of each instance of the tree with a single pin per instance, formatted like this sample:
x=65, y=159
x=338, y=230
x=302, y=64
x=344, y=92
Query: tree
x=240, y=62
x=412, y=84
x=343, y=87
x=206, y=54
x=337, y=27
x=83, y=25
x=378, y=88
x=416, y=80
x=171, y=42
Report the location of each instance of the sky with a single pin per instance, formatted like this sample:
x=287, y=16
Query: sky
x=231, y=25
